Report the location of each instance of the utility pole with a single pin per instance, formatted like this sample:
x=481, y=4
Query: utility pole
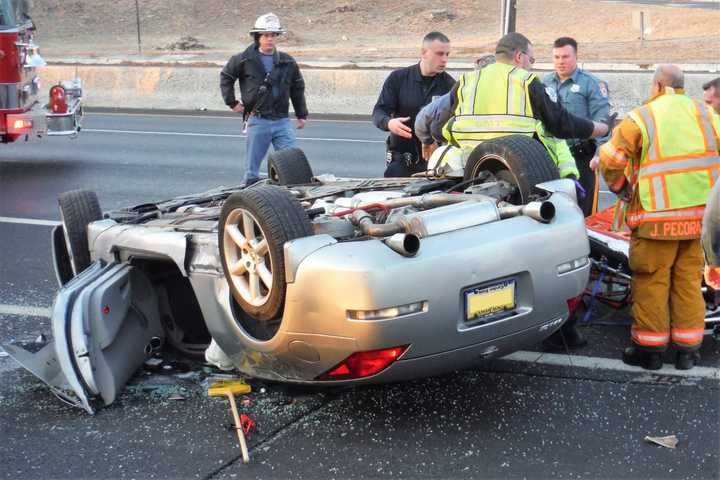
x=508, y=13
x=137, y=22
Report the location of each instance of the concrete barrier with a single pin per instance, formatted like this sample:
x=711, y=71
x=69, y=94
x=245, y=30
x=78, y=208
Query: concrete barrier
x=329, y=89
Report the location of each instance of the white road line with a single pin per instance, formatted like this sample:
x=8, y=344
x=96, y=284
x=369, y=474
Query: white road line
x=214, y=117
x=223, y=135
x=596, y=363
x=6, y=309
x=29, y=221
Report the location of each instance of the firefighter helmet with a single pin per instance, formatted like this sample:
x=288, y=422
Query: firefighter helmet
x=268, y=23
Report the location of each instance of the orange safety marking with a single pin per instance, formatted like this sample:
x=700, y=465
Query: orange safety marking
x=675, y=171
x=666, y=197
x=699, y=330
x=685, y=156
x=645, y=337
x=653, y=203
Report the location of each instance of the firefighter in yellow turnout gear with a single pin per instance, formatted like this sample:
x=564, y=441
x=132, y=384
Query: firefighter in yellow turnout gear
x=662, y=161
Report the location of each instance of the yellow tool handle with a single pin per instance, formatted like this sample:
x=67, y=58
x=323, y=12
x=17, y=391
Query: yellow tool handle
x=238, y=429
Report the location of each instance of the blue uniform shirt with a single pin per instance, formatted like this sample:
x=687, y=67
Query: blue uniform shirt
x=583, y=94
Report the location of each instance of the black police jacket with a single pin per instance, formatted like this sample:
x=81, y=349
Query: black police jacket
x=402, y=95
x=247, y=68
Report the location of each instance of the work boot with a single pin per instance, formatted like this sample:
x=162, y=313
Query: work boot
x=639, y=357
x=686, y=359
x=570, y=333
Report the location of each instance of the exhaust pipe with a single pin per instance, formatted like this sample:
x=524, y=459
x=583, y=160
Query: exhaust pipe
x=540, y=211
x=405, y=244
x=364, y=222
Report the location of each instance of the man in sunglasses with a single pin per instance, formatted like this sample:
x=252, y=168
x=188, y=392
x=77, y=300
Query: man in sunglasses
x=505, y=98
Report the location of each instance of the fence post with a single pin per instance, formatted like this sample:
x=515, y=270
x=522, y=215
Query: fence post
x=137, y=22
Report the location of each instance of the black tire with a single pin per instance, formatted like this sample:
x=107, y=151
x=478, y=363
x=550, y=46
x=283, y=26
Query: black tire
x=61, y=257
x=78, y=208
x=289, y=167
x=274, y=214
x=519, y=159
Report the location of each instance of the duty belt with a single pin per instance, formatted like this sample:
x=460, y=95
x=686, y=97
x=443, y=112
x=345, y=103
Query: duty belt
x=408, y=158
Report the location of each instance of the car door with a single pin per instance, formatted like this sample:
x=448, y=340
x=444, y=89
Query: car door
x=105, y=323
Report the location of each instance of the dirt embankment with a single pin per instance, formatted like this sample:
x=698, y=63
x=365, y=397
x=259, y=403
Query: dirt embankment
x=380, y=29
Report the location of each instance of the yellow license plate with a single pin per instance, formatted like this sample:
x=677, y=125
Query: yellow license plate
x=486, y=301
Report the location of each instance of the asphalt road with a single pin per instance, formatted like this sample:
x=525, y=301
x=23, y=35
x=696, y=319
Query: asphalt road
x=533, y=415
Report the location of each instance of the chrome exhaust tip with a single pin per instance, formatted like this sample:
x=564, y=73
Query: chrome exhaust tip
x=406, y=244
x=540, y=211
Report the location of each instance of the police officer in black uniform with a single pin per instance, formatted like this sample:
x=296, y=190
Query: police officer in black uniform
x=404, y=93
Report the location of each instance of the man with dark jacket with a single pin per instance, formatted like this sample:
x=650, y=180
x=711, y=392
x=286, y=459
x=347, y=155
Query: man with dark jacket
x=269, y=80
x=404, y=93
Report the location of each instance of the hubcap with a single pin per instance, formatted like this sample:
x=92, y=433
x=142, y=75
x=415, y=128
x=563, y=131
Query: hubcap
x=247, y=257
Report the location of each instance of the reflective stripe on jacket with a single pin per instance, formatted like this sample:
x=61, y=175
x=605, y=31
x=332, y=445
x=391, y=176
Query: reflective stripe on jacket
x=494, y=102
x=679, y=161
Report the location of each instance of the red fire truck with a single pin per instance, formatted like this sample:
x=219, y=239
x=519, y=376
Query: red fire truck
x=21, y=113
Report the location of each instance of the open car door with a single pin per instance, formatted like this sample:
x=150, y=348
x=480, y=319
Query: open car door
x=105, y=323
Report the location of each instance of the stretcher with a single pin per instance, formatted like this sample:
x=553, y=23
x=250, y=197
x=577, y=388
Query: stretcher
x=610, y=275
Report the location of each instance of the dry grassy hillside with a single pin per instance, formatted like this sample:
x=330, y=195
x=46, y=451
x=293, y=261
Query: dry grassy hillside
x=366, y=29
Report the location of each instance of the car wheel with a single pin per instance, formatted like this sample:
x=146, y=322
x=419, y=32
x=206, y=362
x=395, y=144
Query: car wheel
x=289, y=167
x=517, y=159
x=78, y=208
x=254, y=225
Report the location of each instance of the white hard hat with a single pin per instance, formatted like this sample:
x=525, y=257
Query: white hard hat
x=448, y=160
x=268, y=23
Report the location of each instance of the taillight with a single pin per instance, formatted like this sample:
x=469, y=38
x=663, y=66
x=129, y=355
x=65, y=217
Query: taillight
x=21, y=125
x=573, y=303
x=364, y=364
x=58, y=99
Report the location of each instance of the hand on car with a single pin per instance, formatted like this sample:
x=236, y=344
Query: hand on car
x=239, y=108
x=300, y=123
x=397, y=127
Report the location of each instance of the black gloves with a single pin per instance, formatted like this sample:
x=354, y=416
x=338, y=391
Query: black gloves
x=611, y=122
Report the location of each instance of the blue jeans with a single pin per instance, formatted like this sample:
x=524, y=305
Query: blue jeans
x=261, y=133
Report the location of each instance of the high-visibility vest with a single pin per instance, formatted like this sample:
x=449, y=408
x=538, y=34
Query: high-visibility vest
x=495, y=102
x=679, y=163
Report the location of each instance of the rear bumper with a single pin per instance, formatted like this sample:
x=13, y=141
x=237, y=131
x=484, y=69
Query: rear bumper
x=318, y=331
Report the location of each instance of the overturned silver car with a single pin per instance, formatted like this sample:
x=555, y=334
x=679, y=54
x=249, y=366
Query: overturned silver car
x=317, y=280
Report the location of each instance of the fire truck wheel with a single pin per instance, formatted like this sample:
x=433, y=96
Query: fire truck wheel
x=289, y=167
x=78, y=208
x=518, y=159
x=254, y=225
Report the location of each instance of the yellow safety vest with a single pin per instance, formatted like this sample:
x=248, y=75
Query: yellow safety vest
x=679, y=163
x=495, y=102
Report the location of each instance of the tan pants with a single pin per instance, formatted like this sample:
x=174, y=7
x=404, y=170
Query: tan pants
x=667, y=301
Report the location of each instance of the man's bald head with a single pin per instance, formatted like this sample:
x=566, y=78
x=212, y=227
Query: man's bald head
x=669, y=75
